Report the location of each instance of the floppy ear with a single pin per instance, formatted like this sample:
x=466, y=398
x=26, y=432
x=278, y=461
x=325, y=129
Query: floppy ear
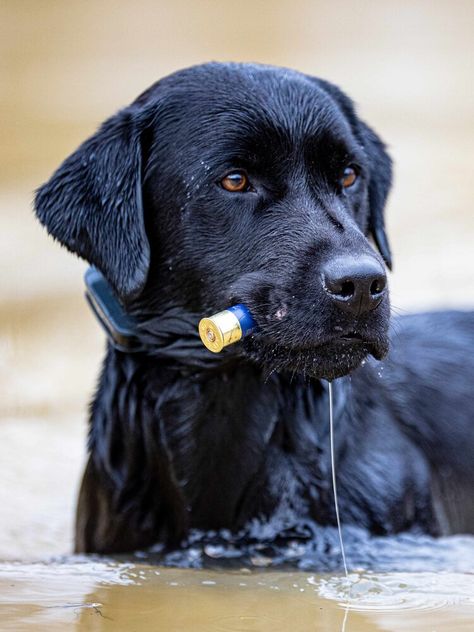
x=379, y=187
x=380, y=169
x=93, y=203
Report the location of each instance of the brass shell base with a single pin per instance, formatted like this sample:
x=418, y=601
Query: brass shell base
x=219, y=331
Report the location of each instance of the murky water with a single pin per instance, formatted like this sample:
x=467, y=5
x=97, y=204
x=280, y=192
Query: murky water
x=65, y=67
x=101, y=595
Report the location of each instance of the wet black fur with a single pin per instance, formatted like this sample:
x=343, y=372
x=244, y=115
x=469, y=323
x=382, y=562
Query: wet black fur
x=183, y=439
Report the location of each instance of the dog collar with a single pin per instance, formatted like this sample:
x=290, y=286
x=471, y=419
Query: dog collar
x=120, y=327
x=216, y=332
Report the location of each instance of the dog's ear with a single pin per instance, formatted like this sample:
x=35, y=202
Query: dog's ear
x=379, y=187
x=380, y=169
x=93, y=203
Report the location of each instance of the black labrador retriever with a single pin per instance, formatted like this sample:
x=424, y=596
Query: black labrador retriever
x=241, y=183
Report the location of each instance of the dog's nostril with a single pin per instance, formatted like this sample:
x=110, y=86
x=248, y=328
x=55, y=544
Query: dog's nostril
x=377, y=286
x=347, y=289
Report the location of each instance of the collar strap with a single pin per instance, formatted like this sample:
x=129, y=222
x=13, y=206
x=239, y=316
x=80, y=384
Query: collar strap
x=120, y=327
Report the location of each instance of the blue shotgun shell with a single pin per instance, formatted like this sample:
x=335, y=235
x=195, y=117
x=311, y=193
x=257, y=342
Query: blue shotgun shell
x=226, y=327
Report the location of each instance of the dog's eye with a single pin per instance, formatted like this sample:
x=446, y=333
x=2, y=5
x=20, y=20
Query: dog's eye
x=349, y=176
x=236, y=182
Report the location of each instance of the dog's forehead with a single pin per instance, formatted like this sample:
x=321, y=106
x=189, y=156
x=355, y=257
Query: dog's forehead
x=238, y=102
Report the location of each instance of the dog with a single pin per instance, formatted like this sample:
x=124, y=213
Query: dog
x=235, y=183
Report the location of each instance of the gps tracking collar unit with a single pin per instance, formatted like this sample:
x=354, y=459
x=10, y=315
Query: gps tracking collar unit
x=120, y=327
x=216, y=332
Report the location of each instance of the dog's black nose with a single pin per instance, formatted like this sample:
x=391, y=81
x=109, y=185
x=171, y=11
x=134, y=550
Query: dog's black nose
x=356, y=285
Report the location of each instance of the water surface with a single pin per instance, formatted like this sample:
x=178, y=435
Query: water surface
x=100, y=595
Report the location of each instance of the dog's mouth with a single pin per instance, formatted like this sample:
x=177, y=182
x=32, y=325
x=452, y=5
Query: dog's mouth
x=315, y=339
x=328, y=359
x=350, y=337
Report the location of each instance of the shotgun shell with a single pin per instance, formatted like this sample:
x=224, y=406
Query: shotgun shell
x=226, y=327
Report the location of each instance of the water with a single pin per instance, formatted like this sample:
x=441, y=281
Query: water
x=84, y=594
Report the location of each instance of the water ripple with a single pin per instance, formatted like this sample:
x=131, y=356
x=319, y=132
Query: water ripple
x=398, y=591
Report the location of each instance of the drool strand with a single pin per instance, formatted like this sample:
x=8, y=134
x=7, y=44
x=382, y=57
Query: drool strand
x=333, y=473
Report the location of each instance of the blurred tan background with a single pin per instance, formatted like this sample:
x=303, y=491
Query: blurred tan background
x=66, y=65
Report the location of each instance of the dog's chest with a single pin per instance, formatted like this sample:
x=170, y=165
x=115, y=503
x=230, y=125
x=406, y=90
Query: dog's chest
x=242, y=449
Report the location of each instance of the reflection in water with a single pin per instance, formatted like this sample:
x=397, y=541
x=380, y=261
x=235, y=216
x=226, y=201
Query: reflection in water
x=100, y=595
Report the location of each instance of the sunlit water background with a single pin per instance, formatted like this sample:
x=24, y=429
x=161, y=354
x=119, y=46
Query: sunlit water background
x=64, y=67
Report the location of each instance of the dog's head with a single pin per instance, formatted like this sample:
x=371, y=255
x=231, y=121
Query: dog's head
x=229, y=183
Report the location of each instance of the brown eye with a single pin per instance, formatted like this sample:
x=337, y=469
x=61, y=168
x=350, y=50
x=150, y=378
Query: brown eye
x=235, y=182
x=349, y=176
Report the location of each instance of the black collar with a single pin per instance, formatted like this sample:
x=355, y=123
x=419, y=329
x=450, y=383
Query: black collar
x=171, y=336
x=120, y=327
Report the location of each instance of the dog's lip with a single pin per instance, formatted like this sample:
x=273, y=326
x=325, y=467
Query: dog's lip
x=355, y=339
x=375, y=345
x=328, y=358
x=349, y=337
